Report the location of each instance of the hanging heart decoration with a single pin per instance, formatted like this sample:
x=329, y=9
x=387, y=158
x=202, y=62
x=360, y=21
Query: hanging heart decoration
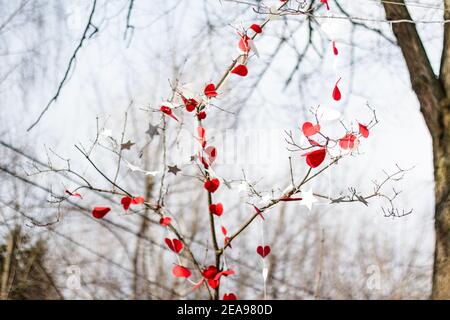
x=263, y=251
x=216, y=209
x=336, y=92
x=363, y=130
x=315, y=158
x=175, y=245
x=240, y=70
x=211, y=185
x=309, y=129
x=181, y=272
x=100, y=212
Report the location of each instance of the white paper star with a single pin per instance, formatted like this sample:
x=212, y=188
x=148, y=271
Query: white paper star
x=137, y=169
x=308, y=199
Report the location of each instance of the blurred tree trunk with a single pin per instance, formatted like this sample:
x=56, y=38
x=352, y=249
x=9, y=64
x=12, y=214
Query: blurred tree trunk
x=433, y=94
x=7, y=266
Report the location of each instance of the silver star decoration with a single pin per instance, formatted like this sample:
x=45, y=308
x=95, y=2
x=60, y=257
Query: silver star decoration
x=152, y=131
x=173, y=169
x=127, y=145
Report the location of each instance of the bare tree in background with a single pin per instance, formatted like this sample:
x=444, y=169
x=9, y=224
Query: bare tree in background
x=433, y=93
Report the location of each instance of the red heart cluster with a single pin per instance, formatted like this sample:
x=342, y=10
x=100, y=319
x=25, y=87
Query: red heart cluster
x=127, y=201
x=348, y=141
x=212, y=275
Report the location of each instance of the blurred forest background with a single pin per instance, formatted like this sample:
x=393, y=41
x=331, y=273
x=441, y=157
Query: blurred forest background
x=131, y=54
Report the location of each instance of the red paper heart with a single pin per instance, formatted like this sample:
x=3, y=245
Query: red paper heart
x=181, y=272
x=168, y=111
x=240, y=70
x=212, y=185
x=216, y=209
x=210, y=91
x=243, y=44
x=363, y=130
x=165, y=221
x=336, y=92
x=190, y=104
x=348, y=141
x=315, y=158
x=309, y=129
x=201, y=115
x=256, y=27
x=209, y=272
x=100, y=212
x=126, y=202
x=212, y=153
x=229, y=296
x=335, y=50
x=226, y=242
x=263, y=251
x=175, y=245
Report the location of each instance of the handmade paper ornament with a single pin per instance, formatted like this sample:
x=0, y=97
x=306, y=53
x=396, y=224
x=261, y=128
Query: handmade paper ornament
x=309, y=129
x=190, y=103
x=181, y=272
x=211, y=185
x=336, y=92
x=165, y=221
x=210, y=91
x=216, y=209
x=327, y=114
x=348, y=141
x=263, y=251
x=315, y=158
x=308, y=199
x=201, y=115
x=363, y=130
x=335, y=50
x=127, y=201
x=243, y=45
x=240, y=70
x=256, y=27
x=174, y=244
x=229, y=296
x=168, y=111
x=100, y=212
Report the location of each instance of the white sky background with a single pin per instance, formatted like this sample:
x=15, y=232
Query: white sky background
x=110, y=71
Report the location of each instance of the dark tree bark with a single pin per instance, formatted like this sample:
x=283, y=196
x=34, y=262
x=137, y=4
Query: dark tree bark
x=433, y=93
